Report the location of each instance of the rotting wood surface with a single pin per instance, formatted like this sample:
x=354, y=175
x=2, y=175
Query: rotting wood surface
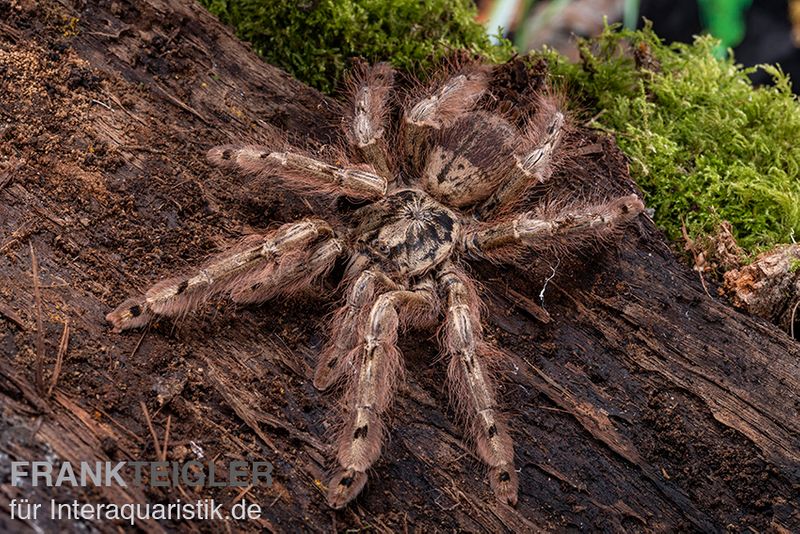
x=638, y=402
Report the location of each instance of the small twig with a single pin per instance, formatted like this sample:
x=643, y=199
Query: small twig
x=119, y=425
x=144, y=149
x=102, y=104
x=14, y=237
x=8, y=171
x=9, y=314
x=697, y=257
x=62, y=351
x=5, y=179
x=791, y=321
x=37, y=298
x=111, y=35
x=240, y=495
x=138, y=343
x=166, y=439
x=528, y=305
x=181, y=104
x=703, y=282
x=152, y=430
x=119, y=104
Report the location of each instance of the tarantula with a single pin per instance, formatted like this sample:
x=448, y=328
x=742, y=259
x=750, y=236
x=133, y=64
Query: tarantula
x=441, y=187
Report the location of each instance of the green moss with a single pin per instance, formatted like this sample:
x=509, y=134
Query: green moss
x=794, y=266
x=705, y=145
x=313, y=39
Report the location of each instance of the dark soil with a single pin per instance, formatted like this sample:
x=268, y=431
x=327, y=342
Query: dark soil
x=639, y=403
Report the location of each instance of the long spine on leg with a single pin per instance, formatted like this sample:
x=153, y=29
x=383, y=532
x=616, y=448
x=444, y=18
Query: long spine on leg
x=179, y=295
x=377, y=369
x=472, y=386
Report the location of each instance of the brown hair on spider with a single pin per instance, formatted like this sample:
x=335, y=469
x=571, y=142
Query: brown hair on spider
x=442, y=178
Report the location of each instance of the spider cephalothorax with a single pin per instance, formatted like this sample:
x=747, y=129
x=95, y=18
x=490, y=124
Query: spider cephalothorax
x=441, y=187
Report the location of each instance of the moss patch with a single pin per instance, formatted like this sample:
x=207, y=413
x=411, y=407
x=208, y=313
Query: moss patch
x=705, y=145
x=313, y=40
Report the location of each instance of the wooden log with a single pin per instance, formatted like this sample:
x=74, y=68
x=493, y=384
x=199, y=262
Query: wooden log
x=639, y=403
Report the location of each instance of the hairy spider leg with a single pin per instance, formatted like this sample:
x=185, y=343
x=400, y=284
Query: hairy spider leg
x=504, y=241
x=449, y=100
x=345, y=327
x=378, y=367
x=534, y=158
x=301, y=172
x=295, y=272
x=225, y=272
x=367, y=122
x=471, y=386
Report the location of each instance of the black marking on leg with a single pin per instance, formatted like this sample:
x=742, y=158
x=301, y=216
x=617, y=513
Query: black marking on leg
x=346, y=481
x=332, y=363
x=136, y=310
x=361, y=432
x=226, y=154
x=492, y=431
x=182, y=287
x=504, y=476
x=469, y=363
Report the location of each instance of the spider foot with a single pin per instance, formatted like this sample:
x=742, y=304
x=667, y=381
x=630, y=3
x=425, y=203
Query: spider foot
x=505, y=483
x=345, y=486
x=327, y=371
x=132, y=313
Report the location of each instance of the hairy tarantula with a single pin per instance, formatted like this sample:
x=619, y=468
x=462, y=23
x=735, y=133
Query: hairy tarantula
x=441, y=187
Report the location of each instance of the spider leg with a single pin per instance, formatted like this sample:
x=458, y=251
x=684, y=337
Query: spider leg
x=505, y=240
x=533, y=158
x=228, y=271
x=376, y=371
x=295, y=271
x=368, y=117
x=449, y=100
x=472, y=387
x=346, y=333
x=300, y=171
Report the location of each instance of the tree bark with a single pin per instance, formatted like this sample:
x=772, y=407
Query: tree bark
x=639, y=402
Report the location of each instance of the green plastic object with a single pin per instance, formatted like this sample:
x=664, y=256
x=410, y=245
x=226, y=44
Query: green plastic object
x=725, y=20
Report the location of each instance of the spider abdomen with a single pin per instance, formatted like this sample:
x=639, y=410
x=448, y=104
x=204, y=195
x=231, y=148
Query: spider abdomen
x=469, y=159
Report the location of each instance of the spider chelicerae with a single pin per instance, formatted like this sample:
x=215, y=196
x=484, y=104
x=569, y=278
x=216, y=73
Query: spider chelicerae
x=440, y=186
